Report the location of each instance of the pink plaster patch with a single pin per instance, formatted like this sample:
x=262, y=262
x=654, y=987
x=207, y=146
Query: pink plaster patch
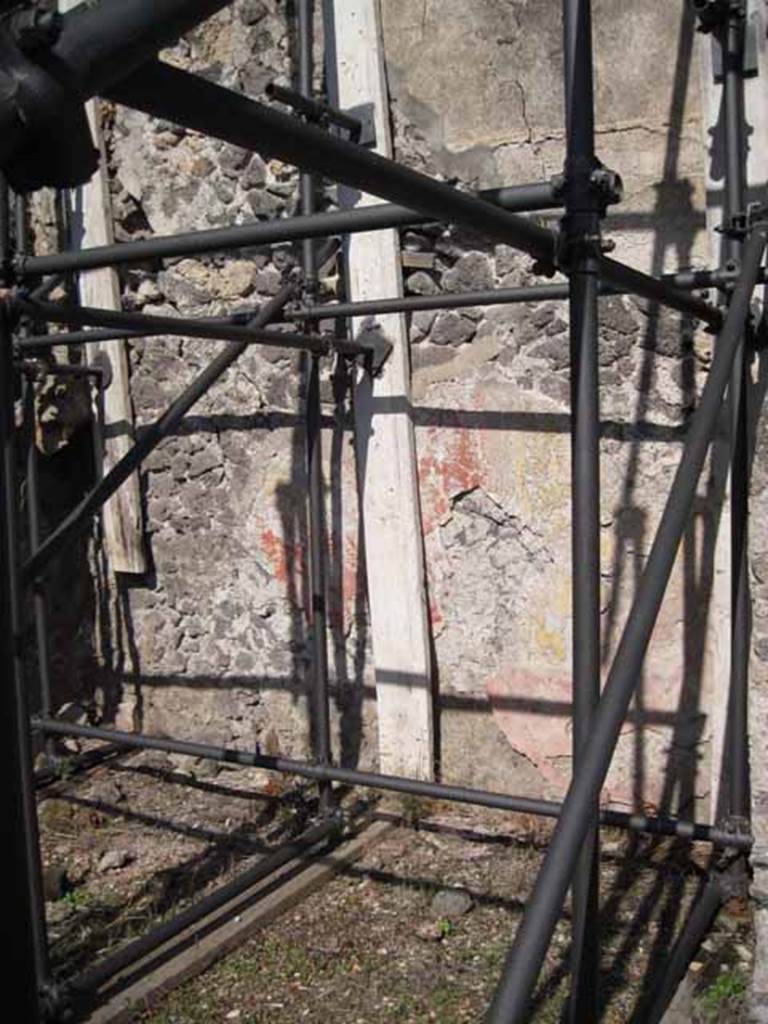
x=533, y=711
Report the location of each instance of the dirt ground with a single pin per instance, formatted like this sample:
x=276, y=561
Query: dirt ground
x=415, y=931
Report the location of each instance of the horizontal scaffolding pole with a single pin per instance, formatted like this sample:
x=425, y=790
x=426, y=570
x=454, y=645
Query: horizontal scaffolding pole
x=512, y=998
x=413, y=303
x=491, y=297
x=98, y=334
x=164, y=91
x=41, y=342
x=515, y=199
x=181, y=327
x=150, y=438
x=687, y=281
x=435, y=790
x=725, y=277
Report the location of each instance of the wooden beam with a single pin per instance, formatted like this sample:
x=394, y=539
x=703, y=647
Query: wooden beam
x=204, y=943
x=386, y=451
x=92, y=226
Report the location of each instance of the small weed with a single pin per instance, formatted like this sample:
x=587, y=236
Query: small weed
x=65, y=767
x=76, y=899
x=445, y=927
x=414, y=809
x=444, y=1004
x=403, y=1010
x=724, y=996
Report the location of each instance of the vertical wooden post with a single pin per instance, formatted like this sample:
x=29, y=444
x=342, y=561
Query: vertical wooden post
x=92, y=226
x=385, y=440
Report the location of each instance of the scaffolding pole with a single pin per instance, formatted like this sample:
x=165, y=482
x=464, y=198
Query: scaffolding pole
x=657, y=826
x=581, y=238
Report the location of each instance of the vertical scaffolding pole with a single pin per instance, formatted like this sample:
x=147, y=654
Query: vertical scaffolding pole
x=734, y=798
x=26, y=942
x=581, y=226
x=737, y=731
x=39, y=601
x=320, y=700
x=19, y=919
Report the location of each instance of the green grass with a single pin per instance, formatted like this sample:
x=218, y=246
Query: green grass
x=77, y=899
x=724, y=997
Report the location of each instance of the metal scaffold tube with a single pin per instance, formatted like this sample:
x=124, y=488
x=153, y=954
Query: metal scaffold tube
x=693, y=831
x=321, y=726
x=32, y=464
x=732, y=40
x=729, y=878
x=22, y=912
x=165, y=91
x=90, y=48
x=299, y=847
x=581, y=236
x=39, y=600
x=215, y=330
x=515, y=199
x=703, y=913
x=34, y=964
x=153, y=326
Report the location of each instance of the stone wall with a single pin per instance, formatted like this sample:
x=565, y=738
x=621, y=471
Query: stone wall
x=213, y=643
x=477, y=94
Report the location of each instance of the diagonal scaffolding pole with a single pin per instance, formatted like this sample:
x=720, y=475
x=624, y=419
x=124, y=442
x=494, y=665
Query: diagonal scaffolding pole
x=511, y=1001
x=164, y=91
x=80, y=516
x=215, y=330
x=301, y=847
x=699, y=921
